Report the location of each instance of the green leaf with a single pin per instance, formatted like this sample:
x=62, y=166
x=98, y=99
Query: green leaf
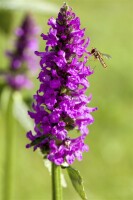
x=77, y=181
x=7, y=20
x=63, y=181
x=38, y=140
x=47, y=164
x=4, y=98
x=38, y=6
x=20, y=112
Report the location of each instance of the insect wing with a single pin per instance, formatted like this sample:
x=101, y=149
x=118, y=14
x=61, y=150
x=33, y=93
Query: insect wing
x=106, y=56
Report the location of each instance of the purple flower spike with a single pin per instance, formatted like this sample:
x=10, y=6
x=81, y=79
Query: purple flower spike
x=23, y=62
x=60, y=102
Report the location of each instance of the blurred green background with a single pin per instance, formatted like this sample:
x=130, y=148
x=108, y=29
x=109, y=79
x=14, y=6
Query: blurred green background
x=107, y=169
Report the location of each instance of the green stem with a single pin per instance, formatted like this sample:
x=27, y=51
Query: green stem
x=9, y=151
x=56, y=182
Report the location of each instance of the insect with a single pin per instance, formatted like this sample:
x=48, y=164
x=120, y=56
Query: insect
x=99, y=56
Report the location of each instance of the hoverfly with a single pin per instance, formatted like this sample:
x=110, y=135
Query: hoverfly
x=99, y=56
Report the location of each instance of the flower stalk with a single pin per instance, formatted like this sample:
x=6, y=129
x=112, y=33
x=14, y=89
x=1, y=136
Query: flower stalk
x=9, y=151
x=17, y=77
x=56, y=182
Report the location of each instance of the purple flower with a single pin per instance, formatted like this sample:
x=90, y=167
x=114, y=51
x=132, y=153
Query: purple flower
x=23, y=62
x=19, y=81
x=60, y=102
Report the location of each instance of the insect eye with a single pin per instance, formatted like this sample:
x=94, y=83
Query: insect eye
x=92, y=51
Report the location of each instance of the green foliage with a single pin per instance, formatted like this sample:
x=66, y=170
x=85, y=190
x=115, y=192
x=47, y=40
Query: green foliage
x=77, y=182
x=19, y=110
x=37, y=6
x=6, y=22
